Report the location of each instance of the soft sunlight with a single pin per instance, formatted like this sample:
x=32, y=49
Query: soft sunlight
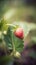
x=9, y=14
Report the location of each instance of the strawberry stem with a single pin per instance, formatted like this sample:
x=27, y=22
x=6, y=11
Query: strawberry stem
x=13, y=45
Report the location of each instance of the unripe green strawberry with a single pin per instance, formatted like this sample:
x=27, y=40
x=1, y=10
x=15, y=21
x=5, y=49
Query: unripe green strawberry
x=17, y=55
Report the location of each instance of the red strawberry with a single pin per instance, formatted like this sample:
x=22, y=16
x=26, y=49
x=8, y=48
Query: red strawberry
x=19, y=33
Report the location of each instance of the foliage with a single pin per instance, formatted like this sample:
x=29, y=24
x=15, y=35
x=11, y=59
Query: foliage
x=10, y=45
x=9, y=42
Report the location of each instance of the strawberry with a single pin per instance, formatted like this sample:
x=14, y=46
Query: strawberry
x=19, y=33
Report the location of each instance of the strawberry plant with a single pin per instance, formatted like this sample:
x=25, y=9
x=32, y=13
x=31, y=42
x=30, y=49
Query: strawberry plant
x=11, y=44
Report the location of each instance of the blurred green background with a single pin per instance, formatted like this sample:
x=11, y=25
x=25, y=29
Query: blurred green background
x=19, y=11
x=23, y=9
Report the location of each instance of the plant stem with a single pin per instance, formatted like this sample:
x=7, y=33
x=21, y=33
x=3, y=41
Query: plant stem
x=13, y=45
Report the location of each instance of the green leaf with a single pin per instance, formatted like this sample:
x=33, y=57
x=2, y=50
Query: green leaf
x=6, y=60
x=18, y=43
x=13, y=42
x=3, y=25
x=8, y=38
